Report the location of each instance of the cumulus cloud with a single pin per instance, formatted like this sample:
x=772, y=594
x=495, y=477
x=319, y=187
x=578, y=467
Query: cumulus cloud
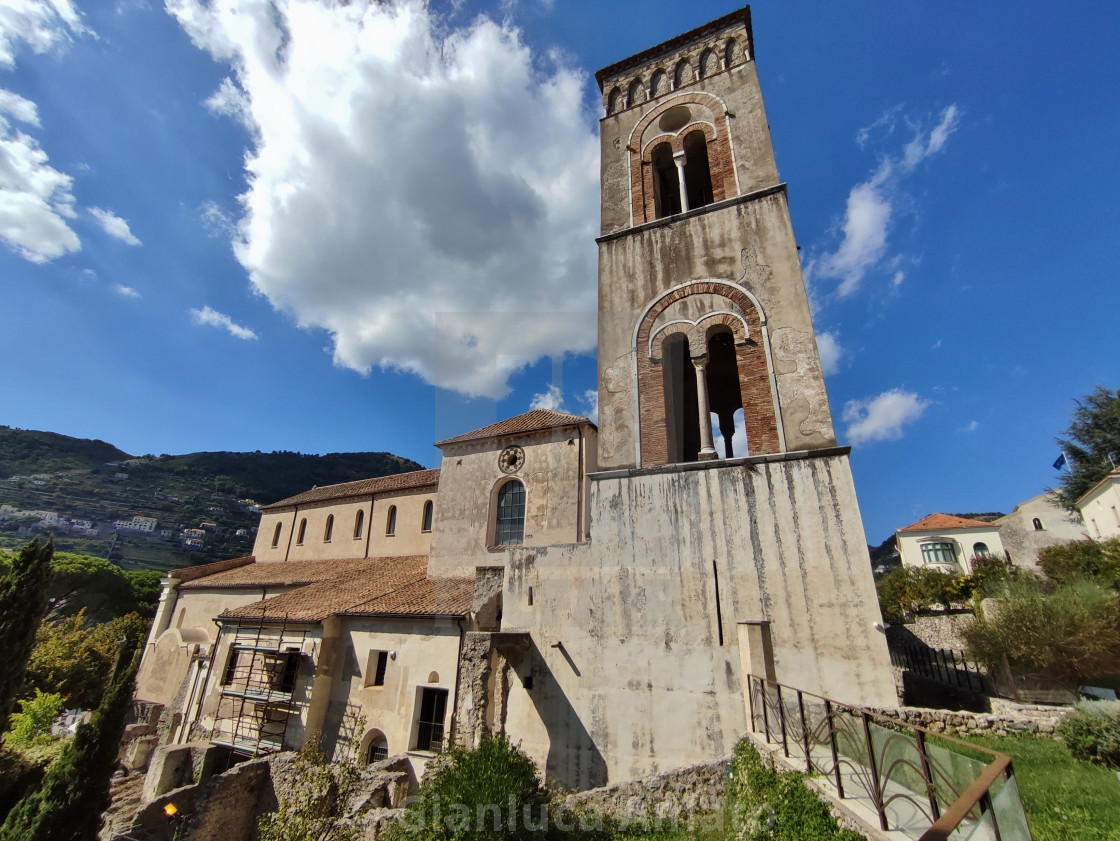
x=126, y=291
x=35, y=198
x=213, y=318
x=828, y=345
x=42, y=24
x=590, y=403
x=881, y=418
x=114, y=226
x=427, y=196
x=869, y=213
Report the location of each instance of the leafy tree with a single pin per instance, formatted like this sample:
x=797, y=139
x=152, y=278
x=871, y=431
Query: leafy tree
x=73, y=659
x=23, y=601
x=83, y=582
x=75, y=791
x=34, y=719
x=146, y=588
x=1093, y=434
x=1071, y=635
x=490, y=793
x=1082, y=559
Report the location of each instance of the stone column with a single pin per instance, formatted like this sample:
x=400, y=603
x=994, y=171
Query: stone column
x=679, y=160
x=727, y=430
x=707, y=448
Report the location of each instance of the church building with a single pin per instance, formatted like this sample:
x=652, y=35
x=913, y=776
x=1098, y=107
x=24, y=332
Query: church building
x=599, y=593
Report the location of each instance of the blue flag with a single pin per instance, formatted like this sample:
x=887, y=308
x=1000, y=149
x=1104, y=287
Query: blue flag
x=1061, y=461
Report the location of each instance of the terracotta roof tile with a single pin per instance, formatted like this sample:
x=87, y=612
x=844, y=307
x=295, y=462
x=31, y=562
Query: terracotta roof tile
x=395, y=586
x=202, y=570
x=275, y=574
x=941, y=522
x=528, y=422
x=362, y=487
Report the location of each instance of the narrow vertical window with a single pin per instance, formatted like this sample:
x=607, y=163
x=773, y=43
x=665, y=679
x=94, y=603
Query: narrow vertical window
x=329, y=530
x=427, y=523
x=376, y=666
x=378, y=749
x=433, y=707
x=509, y=522
x=666, y=182
x=302, y=532
x=697, y=173
x=391, y=521
x=725, y=397
x=359, y=523
x=276, y=535
x=682, y=412
x=1037, y=524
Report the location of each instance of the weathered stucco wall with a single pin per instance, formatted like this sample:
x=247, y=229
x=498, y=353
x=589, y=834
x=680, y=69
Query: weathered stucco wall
x=627, y=671
x=1023, y=541
x=556, y=496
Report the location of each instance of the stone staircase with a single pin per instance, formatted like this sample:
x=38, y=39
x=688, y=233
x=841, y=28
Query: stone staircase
x=124, y=791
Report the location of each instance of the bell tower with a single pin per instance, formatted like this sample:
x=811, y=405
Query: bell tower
x=706, y=342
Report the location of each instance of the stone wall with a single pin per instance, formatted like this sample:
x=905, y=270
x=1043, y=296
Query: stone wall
x=937, y=631
x=693, y=790
x=1006, y=720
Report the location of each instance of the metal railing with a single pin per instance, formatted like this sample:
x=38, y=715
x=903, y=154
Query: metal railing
x=945, y=665
x=928, y=786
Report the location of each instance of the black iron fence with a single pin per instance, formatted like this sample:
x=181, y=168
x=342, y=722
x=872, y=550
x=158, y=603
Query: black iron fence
x=926, y=786
x=945, y=665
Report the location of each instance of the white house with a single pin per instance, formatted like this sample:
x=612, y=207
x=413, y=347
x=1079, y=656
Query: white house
x=1100, y=507
x=947, y=542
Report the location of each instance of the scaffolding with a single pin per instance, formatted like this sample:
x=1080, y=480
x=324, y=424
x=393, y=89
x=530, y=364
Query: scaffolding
x=258, y=687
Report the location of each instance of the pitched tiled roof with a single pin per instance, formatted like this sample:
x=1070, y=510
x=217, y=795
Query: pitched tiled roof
x=275, y=574
x=941, y=522
x=362, y=487
x=395, y=586
x=528, y=422
x=203, y=570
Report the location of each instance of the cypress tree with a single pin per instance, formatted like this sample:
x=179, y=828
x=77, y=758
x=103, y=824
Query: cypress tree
x=23, y=601
x=75, y=790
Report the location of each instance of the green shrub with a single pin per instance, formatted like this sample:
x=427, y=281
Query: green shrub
x=767, y=805
x=1092, y=732
x=1082, y=559
x=32, y=724
x=491, y=792
x=1072, y=634
x=908, y=590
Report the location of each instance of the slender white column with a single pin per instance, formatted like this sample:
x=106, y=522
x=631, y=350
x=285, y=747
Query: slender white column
x=679, y=160
x=707, y=447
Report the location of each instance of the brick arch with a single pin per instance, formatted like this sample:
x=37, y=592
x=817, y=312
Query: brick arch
x=721, y=160
x=698, y=332
x=752, y=354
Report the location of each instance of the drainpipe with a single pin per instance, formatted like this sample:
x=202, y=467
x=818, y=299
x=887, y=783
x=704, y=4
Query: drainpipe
x=291, y=532
x=579, y=490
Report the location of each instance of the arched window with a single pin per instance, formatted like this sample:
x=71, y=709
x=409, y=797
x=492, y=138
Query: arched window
x=697, y=173
x=302, y=532
x=722, y=376
x=359, y=523
x=709, y=64
x=682, y=408
x=426, y=525
x=980, y=550
x=378, y=748
x=614, y=101
x=1038, y=524
x=329, y=529
x=683, y=75
x=666, y=182
x=635, y=94
x=734, y=53
x=659, y=84
x=276, y=535
x=391, y=521
x=509, y=519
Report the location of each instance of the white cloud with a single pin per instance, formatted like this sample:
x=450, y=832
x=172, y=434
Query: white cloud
x=213, y=318
x=881, y=418
x=41, y=23
x=972, y=426
x=404, y=177
x=870, y=207
x=126, y=291
x=551, y=399
x=217, y=222
x=114, y=226
x=590, y=402
x=35, y=198
x=19, y=108
x=828, y=345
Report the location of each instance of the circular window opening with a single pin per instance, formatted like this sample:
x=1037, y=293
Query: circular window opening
x=675, y=118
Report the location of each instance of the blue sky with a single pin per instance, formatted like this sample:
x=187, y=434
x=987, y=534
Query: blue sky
x=246, y=226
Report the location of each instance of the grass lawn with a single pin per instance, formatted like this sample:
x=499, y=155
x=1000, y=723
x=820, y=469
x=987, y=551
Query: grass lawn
x=1066, y=799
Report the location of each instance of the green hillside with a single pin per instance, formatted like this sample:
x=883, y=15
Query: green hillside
x=91, y=481
x=24, y=451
